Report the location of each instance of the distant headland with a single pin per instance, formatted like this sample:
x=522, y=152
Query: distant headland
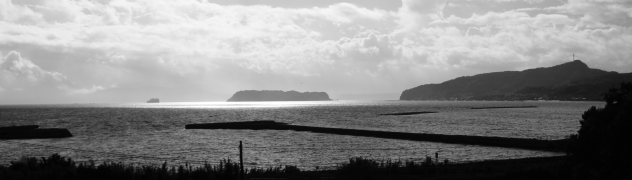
x=571, y=81
x=277, y=95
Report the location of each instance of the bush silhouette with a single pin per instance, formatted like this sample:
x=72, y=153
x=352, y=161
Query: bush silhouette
x=601, y=149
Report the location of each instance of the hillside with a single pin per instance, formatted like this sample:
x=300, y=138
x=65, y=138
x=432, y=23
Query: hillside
x=569, y=81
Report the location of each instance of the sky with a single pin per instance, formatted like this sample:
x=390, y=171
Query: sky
x=110, y=51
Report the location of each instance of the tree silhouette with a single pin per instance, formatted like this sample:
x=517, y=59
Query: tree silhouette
x=602, y=149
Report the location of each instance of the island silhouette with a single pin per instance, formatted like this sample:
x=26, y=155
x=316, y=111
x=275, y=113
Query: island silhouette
x=278, y=95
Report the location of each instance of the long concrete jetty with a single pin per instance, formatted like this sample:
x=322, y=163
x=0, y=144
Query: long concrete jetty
x=32, y=132
x=504, y=107
x=407, y=113
x=520, y=143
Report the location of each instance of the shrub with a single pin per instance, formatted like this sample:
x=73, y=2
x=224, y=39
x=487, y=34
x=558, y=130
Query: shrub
x=601, y=149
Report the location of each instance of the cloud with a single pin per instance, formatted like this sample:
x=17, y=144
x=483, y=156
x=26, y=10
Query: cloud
x=416, y=14
x=194, y=49
x=20, y=76
x=20, y=73
x=513, y=18
x=18, y=14
x=529, y=1
x=84, y=90
x=344, y=13
x=365, y=52
x=599, y=13
x=184, y=28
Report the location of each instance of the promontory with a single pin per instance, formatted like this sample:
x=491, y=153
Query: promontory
x=277, y=95
x=568, y=81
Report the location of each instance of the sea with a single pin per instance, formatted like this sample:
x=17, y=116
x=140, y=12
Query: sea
x=154, y=133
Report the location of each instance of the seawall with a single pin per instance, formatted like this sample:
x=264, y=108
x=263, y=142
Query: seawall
x=32, y=132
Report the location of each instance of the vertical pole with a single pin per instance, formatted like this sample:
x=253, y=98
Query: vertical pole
x=437, y=163
x=241, y=160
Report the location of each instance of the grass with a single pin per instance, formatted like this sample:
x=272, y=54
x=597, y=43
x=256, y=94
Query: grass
x=58, y=167
x=528, y=168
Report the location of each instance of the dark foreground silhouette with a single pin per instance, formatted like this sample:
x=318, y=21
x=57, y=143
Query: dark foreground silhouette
x=534, y=144
x=58, y=167
x=32, y=132
x=602, y=149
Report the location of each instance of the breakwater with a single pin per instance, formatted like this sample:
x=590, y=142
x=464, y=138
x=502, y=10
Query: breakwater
x=520, y=143
x=504, y=107
x=32, y=132
x=407, y=113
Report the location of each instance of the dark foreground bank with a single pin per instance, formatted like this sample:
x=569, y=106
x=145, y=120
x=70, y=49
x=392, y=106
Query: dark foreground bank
x=58, y=167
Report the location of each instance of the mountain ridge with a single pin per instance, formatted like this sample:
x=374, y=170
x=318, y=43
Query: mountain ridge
x=568, y=81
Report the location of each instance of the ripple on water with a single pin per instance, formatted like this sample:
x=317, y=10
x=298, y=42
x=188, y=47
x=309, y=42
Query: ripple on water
x=154, y=133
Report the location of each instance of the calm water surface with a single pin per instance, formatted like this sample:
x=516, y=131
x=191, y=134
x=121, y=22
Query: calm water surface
x=154, y=133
